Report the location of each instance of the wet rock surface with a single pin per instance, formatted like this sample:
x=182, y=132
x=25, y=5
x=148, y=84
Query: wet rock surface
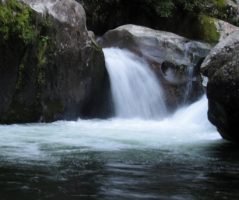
x=222, y=69
x=175, y=59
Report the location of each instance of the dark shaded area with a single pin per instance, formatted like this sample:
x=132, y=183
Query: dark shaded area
x=102, y=17
x=101, y=103
x=209, y=171
x=221, y=68
x=177, y=16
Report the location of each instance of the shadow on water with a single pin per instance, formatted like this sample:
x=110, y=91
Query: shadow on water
x=203, y=171
x=223, y=171
x=74, y=176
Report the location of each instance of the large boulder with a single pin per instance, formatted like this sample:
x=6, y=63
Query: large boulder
x=221, y=68
x=57, y=74
x=175, y=59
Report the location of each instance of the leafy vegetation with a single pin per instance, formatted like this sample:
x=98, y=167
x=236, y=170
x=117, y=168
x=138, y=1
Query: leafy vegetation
x=22, y=27
x=16, y=20
x=158, y=14
x=20, y=23
x=163, y=8
x=27, y=35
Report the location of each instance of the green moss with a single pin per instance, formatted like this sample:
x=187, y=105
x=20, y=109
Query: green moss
x=20, y=25
x=209, y=31
x=96, y=46
x=15, y=21
x=217, y=9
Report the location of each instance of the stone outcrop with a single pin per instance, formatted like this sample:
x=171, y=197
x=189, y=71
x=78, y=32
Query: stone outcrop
x=58, y=75
x=224, y=29
x=175, y=59
x=221, y=67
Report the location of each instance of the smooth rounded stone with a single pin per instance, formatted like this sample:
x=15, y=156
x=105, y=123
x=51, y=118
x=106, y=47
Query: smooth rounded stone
x=224, y=28
x=175, y=59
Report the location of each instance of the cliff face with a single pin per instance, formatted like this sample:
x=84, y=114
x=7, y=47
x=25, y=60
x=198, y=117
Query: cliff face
x=54, y=69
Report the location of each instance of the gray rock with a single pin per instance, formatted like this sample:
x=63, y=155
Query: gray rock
x=175, y=59
x=64, y=83
x=222, y=69
x=233, y=9
x=224, y=28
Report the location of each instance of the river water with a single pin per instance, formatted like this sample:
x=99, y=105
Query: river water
x=179, y=157
x=142, y=153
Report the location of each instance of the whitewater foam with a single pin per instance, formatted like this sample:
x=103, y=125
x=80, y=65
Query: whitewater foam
x=135, y=89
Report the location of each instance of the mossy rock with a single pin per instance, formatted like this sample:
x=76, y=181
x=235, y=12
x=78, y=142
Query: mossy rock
x=25, y=34
x=16, y=20
x=208, y=29
x=49, y=69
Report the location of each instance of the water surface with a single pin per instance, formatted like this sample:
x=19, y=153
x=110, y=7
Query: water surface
x=179, y=157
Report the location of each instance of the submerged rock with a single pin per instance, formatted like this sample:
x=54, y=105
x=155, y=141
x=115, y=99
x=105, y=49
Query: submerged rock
x=175, y=59
x=59, y=74
x=222, y=69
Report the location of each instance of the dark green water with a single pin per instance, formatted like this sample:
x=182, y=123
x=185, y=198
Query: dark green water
x=210, y=171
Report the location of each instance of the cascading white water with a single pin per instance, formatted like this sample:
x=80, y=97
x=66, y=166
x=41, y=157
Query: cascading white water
x=187, y=126
x=111, y=159
x=135, y=89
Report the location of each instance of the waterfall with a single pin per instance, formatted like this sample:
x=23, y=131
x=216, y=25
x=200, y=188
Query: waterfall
x=135, y=89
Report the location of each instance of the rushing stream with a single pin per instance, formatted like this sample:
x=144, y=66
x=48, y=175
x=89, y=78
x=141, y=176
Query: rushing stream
x=173, y=157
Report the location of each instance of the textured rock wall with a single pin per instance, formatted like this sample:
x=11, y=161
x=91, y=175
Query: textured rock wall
x=58, y=74
x=222, y=69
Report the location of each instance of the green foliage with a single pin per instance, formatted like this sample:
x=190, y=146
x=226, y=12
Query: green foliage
x=103, y=15
x=15, y=20
x=164, y=8
x=32, y=33
x=189, y=5
x=219, y=3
